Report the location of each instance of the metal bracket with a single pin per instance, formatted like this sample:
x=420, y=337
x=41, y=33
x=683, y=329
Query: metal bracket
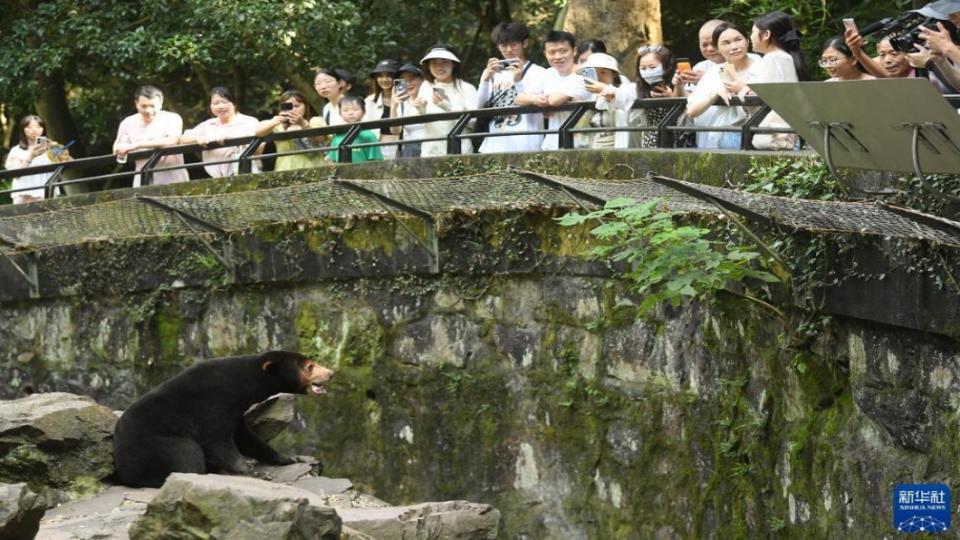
x=430, y=244
x=830, y=130
x=30, y=273
x=574, y=194
x=918, y=137
x=189, y=220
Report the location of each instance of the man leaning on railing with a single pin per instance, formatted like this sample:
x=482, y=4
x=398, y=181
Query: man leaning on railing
x=151, y=128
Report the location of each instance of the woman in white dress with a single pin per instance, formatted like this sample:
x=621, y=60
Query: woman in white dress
x=31, y=151
x=443, y=91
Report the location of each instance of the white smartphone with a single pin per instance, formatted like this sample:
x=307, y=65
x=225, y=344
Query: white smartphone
x=849, y=24
x=41, y=140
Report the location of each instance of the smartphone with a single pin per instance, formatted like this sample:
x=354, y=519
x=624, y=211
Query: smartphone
x=507, y=62
x=288, y=106
x=683, y=64
x=399, y=86
x=849, y=24
x=41, y=140
x=588, y=73
x=440, y=92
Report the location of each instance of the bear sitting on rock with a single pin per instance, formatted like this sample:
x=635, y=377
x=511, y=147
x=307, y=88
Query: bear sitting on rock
x=194, y=422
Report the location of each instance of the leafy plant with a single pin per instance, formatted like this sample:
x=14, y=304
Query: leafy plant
x=669, y=261
x=806, y=178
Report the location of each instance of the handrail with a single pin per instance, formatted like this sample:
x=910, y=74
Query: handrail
x=665, y=128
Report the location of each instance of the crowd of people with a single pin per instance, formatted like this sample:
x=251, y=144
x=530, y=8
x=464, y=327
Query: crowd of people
x=733, y=59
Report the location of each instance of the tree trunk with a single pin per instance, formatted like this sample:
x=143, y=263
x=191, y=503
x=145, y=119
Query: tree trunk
x=623, y=25
x=52, y=106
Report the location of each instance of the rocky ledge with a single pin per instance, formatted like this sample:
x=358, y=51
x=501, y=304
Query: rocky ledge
x=45, y=439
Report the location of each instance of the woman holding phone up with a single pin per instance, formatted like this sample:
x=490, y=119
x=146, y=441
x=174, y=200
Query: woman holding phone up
x=31, y=151
x=292, y=116
x=443, y=91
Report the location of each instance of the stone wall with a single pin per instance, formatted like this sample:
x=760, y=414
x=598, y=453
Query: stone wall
x=518, y=375
x=540, y=392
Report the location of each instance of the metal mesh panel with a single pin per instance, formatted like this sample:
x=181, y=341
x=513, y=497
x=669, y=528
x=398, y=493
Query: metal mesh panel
x=799, y=214
x=130, y=218
x=236, y=211
x=495, y=190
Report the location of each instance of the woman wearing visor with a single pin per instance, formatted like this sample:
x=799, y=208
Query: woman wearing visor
x=443, y=91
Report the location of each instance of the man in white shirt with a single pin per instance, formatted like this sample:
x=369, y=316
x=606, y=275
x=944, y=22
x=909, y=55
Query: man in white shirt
x=559, y=84
x=500, y=84
x=151, y=128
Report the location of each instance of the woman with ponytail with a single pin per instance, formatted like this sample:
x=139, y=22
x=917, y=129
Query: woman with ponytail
x=777, y=40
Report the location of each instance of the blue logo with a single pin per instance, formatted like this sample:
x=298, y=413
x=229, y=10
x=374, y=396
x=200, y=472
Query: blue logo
x=921, y=507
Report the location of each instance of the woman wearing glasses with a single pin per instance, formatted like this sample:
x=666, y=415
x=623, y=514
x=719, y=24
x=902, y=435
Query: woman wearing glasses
x=837, y=59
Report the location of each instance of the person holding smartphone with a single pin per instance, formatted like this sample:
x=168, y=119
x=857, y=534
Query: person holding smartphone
x=378, y=105
x=405, y=89
x=292, y=116
x=444, y=91
x=500, y=84
x=30, y=151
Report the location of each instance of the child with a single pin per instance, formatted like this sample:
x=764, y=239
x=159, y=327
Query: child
x=352, y=110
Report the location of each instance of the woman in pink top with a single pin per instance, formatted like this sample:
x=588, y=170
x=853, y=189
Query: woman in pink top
x=226, y=123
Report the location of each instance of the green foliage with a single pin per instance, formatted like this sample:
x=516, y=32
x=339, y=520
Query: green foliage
x=669, y=261
x=806, y=178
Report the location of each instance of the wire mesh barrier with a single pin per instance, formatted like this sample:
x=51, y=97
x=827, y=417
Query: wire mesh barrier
x=431, y=198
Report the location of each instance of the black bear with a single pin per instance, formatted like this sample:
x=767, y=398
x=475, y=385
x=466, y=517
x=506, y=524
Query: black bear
x=194, y=422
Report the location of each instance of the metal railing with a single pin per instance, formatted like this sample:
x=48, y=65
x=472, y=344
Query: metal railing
x=665, y=128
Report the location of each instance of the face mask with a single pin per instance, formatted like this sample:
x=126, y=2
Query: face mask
x=652, y=75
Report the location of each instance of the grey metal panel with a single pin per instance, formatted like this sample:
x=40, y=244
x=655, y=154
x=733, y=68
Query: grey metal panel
x=872, y=122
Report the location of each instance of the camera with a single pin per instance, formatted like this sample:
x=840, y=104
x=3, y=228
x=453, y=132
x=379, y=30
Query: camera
x=399, y=86
x=507, y=62
x=904, y=31
x=288, y=106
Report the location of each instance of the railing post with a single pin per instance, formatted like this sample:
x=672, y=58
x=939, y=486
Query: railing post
x=665, y=139
x=753, y=120
x=565, y=138
x=244, y=162
x=146, y=173
x=48, y=190
x=345, y=152
x=454, y=144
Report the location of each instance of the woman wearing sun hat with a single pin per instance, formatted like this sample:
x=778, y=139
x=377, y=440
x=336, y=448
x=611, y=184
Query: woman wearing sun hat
x=443, y=91
x=607, y=86
x=379, y=102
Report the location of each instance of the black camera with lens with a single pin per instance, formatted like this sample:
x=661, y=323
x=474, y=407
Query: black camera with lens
x=904, y=31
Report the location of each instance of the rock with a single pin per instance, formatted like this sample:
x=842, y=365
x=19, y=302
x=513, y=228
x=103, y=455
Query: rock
x=322, y=485
x=107, y=516
x=51, y=440
x=453, y=519
x=234, y=508
x=283, y=474
x=271, y=417
x=20, y=511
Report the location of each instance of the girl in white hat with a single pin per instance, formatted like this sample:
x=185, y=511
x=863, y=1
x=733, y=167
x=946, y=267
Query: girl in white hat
x=443, y=91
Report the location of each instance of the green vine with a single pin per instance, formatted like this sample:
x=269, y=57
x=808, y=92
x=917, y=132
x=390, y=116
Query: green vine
x=668, y=261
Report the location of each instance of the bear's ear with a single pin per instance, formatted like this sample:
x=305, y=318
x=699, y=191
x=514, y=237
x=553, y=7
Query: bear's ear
x=265, y=365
